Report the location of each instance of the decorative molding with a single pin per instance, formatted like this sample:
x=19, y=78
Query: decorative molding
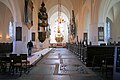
x=33, y=36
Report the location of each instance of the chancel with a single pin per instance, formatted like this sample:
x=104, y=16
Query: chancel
x=59, y=37
x=72, y=39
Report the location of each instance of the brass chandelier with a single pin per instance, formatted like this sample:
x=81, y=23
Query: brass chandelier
x=58, y=36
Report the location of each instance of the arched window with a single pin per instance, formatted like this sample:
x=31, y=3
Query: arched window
x=108, y=26
x=10, y=29
x=108, y=30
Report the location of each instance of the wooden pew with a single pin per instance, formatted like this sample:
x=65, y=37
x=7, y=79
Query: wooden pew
x=97, y=50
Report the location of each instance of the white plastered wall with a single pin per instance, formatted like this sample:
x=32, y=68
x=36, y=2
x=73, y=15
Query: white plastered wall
x=110, y=8
x=17, y=9
x=5, y=18
x=85, y=20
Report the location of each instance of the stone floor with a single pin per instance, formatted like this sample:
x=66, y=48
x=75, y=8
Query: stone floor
x=58, y=64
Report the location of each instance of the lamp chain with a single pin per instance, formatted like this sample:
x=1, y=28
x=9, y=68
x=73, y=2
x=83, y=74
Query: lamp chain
x=59, y=8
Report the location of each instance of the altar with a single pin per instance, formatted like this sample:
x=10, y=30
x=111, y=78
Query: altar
x=58, y=45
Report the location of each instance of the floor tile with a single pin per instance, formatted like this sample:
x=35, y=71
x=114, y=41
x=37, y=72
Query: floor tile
x=58, y=64
x=57, y=77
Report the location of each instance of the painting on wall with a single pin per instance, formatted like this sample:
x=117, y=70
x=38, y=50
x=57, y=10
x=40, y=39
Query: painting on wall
x=18, y=33
x=33, y=36
x=100, y=33
x=85, y=36
x=73, y=29
x=28, y=13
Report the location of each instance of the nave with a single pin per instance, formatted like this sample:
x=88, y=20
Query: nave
x=88, y=28
x=58, y=64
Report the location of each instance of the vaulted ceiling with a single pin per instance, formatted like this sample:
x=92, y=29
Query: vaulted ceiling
x=67, y=5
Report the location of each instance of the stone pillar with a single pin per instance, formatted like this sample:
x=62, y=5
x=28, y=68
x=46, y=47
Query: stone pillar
x=20, y=46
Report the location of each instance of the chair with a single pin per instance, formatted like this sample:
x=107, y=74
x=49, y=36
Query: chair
x=16, y=64
x=4, y=63
x=12, y=56
x=107, y=66
x=19, y=63
x=25, y=62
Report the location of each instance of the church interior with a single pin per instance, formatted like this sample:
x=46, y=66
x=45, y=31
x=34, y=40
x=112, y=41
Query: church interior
x=71, y=40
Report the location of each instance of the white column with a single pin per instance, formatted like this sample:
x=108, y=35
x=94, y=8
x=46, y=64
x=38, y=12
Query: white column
x=20, y=47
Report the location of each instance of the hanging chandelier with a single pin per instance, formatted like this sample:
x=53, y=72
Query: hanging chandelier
x=58, y=35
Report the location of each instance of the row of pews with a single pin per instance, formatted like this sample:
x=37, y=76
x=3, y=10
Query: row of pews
x=87, y=53
x=98, y=57
x=6, y=48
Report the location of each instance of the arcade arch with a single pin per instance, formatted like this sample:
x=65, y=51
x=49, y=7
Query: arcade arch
x=65, y=14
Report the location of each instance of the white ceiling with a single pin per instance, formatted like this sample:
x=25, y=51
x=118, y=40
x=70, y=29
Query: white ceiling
x=67, y=6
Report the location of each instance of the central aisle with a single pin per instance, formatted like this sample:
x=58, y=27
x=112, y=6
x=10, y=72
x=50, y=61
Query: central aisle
x=59, y=64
